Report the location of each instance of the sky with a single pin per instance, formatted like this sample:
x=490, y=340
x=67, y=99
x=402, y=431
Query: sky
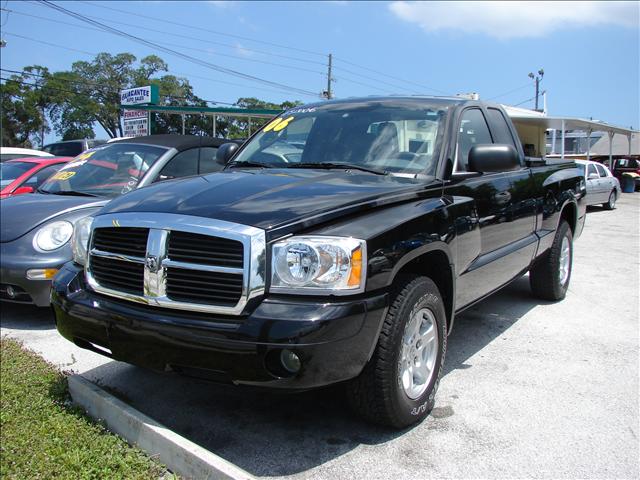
x=589, y=51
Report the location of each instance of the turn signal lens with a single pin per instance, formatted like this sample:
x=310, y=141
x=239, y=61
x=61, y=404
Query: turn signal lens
x=41, y=273
x=356, y=268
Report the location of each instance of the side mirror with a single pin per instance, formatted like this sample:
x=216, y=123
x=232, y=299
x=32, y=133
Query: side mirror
x=21, y=190
x=493, y=158
x=593, y=176
x=225, y=152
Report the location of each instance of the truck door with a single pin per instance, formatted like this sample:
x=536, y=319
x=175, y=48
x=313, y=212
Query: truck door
x=505, y=215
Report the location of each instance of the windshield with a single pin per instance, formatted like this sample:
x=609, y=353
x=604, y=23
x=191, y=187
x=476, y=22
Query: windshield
x=399, y=136
x=10, y=171
x=105, y=171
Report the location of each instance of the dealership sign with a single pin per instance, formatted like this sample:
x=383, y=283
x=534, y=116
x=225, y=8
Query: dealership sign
x=137, y=122
x=140, y=96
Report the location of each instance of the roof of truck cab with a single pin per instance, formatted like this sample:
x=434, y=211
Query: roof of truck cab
x=179, y=142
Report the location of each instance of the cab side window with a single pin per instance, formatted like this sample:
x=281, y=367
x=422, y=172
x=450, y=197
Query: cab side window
x=182, y=165
x=208, y=162
x=473, y=131
x=500, y=128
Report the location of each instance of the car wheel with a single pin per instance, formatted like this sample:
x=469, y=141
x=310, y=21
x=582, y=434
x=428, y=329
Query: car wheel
x=549, y=278
x=611, y=204
x=398, y=385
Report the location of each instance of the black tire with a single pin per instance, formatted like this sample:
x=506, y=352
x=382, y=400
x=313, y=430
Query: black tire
x=377, y=394
x=544, y=277
x=611, y=203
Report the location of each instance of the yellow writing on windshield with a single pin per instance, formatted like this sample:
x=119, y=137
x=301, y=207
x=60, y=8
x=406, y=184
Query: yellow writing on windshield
x=63, y=175
x=278, y=124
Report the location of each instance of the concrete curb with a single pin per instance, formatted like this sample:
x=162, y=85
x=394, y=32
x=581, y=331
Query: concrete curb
x=180, y=455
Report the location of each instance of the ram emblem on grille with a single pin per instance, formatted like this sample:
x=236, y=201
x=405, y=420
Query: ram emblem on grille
x=151, y=263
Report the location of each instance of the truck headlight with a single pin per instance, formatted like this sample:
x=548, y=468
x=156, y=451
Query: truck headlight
x=80, y=240
x=53, y=235
x=311, y=265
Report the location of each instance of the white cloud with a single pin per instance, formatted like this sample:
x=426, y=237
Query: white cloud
x=241, y=50
x=221, y=3
x=515, y=19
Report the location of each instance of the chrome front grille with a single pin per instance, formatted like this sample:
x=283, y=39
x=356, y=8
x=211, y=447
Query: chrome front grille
x=177, y=261
x=207, y=287
x=203, y=249
x=118, y=274
x=125, y=241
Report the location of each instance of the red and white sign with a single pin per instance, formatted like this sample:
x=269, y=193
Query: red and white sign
x=136, y=123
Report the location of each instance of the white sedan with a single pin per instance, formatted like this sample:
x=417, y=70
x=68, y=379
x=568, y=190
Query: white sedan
x=9, y=153
x=602, y=187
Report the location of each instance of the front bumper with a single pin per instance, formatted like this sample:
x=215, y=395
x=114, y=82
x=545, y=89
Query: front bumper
x=334, y=339
x=19, y=256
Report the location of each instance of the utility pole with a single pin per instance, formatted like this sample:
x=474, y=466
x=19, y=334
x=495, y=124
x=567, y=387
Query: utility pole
x=328, y=94
x=538, y=79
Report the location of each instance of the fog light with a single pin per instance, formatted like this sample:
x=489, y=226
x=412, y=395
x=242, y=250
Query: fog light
x=41, y=273
x=290, y=361
x=11, y=293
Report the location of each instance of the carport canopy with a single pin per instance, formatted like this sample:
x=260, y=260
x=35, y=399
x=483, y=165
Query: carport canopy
x=248, y=113
x=537, y=119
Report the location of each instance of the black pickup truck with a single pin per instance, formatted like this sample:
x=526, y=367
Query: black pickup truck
x=337, y=245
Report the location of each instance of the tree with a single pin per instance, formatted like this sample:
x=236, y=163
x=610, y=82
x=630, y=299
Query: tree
x=24, y=103
x=91, y=93
x=239, y=127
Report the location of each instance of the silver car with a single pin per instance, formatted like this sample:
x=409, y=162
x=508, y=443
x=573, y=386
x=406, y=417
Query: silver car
x=602, y=187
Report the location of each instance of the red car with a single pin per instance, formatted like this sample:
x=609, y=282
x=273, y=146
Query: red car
x=25, y=175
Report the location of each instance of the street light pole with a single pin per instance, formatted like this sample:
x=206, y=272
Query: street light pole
x=538, y=79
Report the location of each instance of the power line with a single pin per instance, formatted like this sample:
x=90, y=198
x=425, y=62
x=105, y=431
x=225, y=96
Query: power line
x=50, y=44
x=234, y=47
x=169, y=72
x=192, y=27
x=95, y=84
x=528, y=84
x=391, y=76
x=231, y=46
x=139, y=27
x=209, y=65
x=524, y=101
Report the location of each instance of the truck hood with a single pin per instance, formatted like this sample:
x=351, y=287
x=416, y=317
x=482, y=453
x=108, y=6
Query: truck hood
x=271, y=198
x=23, y=213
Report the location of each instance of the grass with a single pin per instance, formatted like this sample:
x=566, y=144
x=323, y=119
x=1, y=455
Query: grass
x=43, y=436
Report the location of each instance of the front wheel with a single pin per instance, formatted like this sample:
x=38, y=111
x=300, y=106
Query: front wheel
x=549, y=277
x=611, y=204
x=397, y=387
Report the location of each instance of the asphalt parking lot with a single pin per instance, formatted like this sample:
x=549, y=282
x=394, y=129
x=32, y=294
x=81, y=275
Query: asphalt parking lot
x=531, y=389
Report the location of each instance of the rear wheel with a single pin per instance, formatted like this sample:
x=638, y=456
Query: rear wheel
x=549, y=278
x=397, y=387
x=611, y=204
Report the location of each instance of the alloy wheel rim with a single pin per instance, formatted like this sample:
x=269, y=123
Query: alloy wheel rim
x=419, y=353
x=565, y=261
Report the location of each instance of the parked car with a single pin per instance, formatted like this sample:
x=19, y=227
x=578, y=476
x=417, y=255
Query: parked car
x=627, y=165
x=336, y=246
x=36, y=229
x=71, y=148
x=602, y=187
x=10, y=153
x=25, y=175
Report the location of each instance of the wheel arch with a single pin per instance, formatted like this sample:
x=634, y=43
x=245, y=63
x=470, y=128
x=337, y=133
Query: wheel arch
x=569, y=213
x=435, y=262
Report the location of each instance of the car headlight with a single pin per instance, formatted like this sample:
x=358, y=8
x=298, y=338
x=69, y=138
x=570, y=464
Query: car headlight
x=80, y=240
x=314, y=265
x=53, y=235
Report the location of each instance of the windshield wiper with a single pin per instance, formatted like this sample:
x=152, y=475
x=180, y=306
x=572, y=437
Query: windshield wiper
x=72, y=193
x=330, y=166
x=248, y=165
